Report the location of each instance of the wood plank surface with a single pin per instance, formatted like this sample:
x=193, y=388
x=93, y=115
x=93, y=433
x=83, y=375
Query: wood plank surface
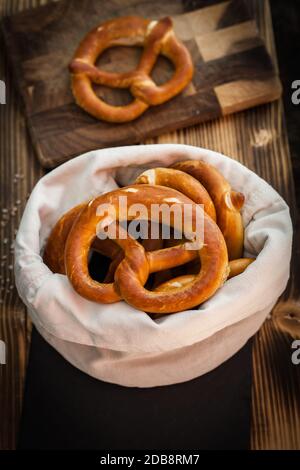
x=255, y=137
x=232, y=71
x=19, y=171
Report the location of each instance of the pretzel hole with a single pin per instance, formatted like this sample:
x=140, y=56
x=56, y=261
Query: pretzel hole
x=162, y=70
x=122, y=59
x=192, y=267
x=119, y=59
x=112, y=60
x=101, y=268
x=98, y=266
x=113, y=96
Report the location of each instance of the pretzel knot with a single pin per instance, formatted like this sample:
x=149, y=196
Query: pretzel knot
x=157, y=37
x=75, y=233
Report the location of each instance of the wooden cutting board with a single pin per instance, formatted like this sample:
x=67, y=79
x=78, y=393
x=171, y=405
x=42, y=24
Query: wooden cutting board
x=233, y=70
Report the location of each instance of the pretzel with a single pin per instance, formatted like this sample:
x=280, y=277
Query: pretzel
x=54, y=250
x=236, y=267
x=53, y=255
x=133, y=271
x=181, y=181
x=157, y=37
x=228, y=203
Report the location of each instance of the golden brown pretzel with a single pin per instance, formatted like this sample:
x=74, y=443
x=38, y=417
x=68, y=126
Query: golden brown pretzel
x=157, y=37
x=55, y=246
x=187, y=185
x=236, y=267
x=228, y=203
x=53, y=255
x=134, y=269
x=181, y=181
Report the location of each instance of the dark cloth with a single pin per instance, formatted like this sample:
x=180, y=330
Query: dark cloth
x=66, y=409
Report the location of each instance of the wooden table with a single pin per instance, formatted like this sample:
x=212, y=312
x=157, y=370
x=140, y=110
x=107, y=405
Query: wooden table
x=258, y=139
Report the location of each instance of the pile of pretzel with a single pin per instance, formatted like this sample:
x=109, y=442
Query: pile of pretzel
x=181, y=278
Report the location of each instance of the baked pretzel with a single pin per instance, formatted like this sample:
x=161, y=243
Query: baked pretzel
x=157, y=37
x=181, y=181
x=133, y=271
x=236, y=267
x=53, y=255
x=227, y=202
x=54, y=252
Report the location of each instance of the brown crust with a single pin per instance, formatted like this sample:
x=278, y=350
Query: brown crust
x=235, y=268
x=238, y=266
x=133, y=271
x=182, y=182
x=53, y=255
x=156, y=38
x=228, y=203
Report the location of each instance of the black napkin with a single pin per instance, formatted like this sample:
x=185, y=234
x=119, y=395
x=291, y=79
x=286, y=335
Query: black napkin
x=66, y=409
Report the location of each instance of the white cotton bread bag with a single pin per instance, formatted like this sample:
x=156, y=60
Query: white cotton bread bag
x=117, y=343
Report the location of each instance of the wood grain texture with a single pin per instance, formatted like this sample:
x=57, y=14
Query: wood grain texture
x=255, y=137
x=223, y=41
x=18, y=173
